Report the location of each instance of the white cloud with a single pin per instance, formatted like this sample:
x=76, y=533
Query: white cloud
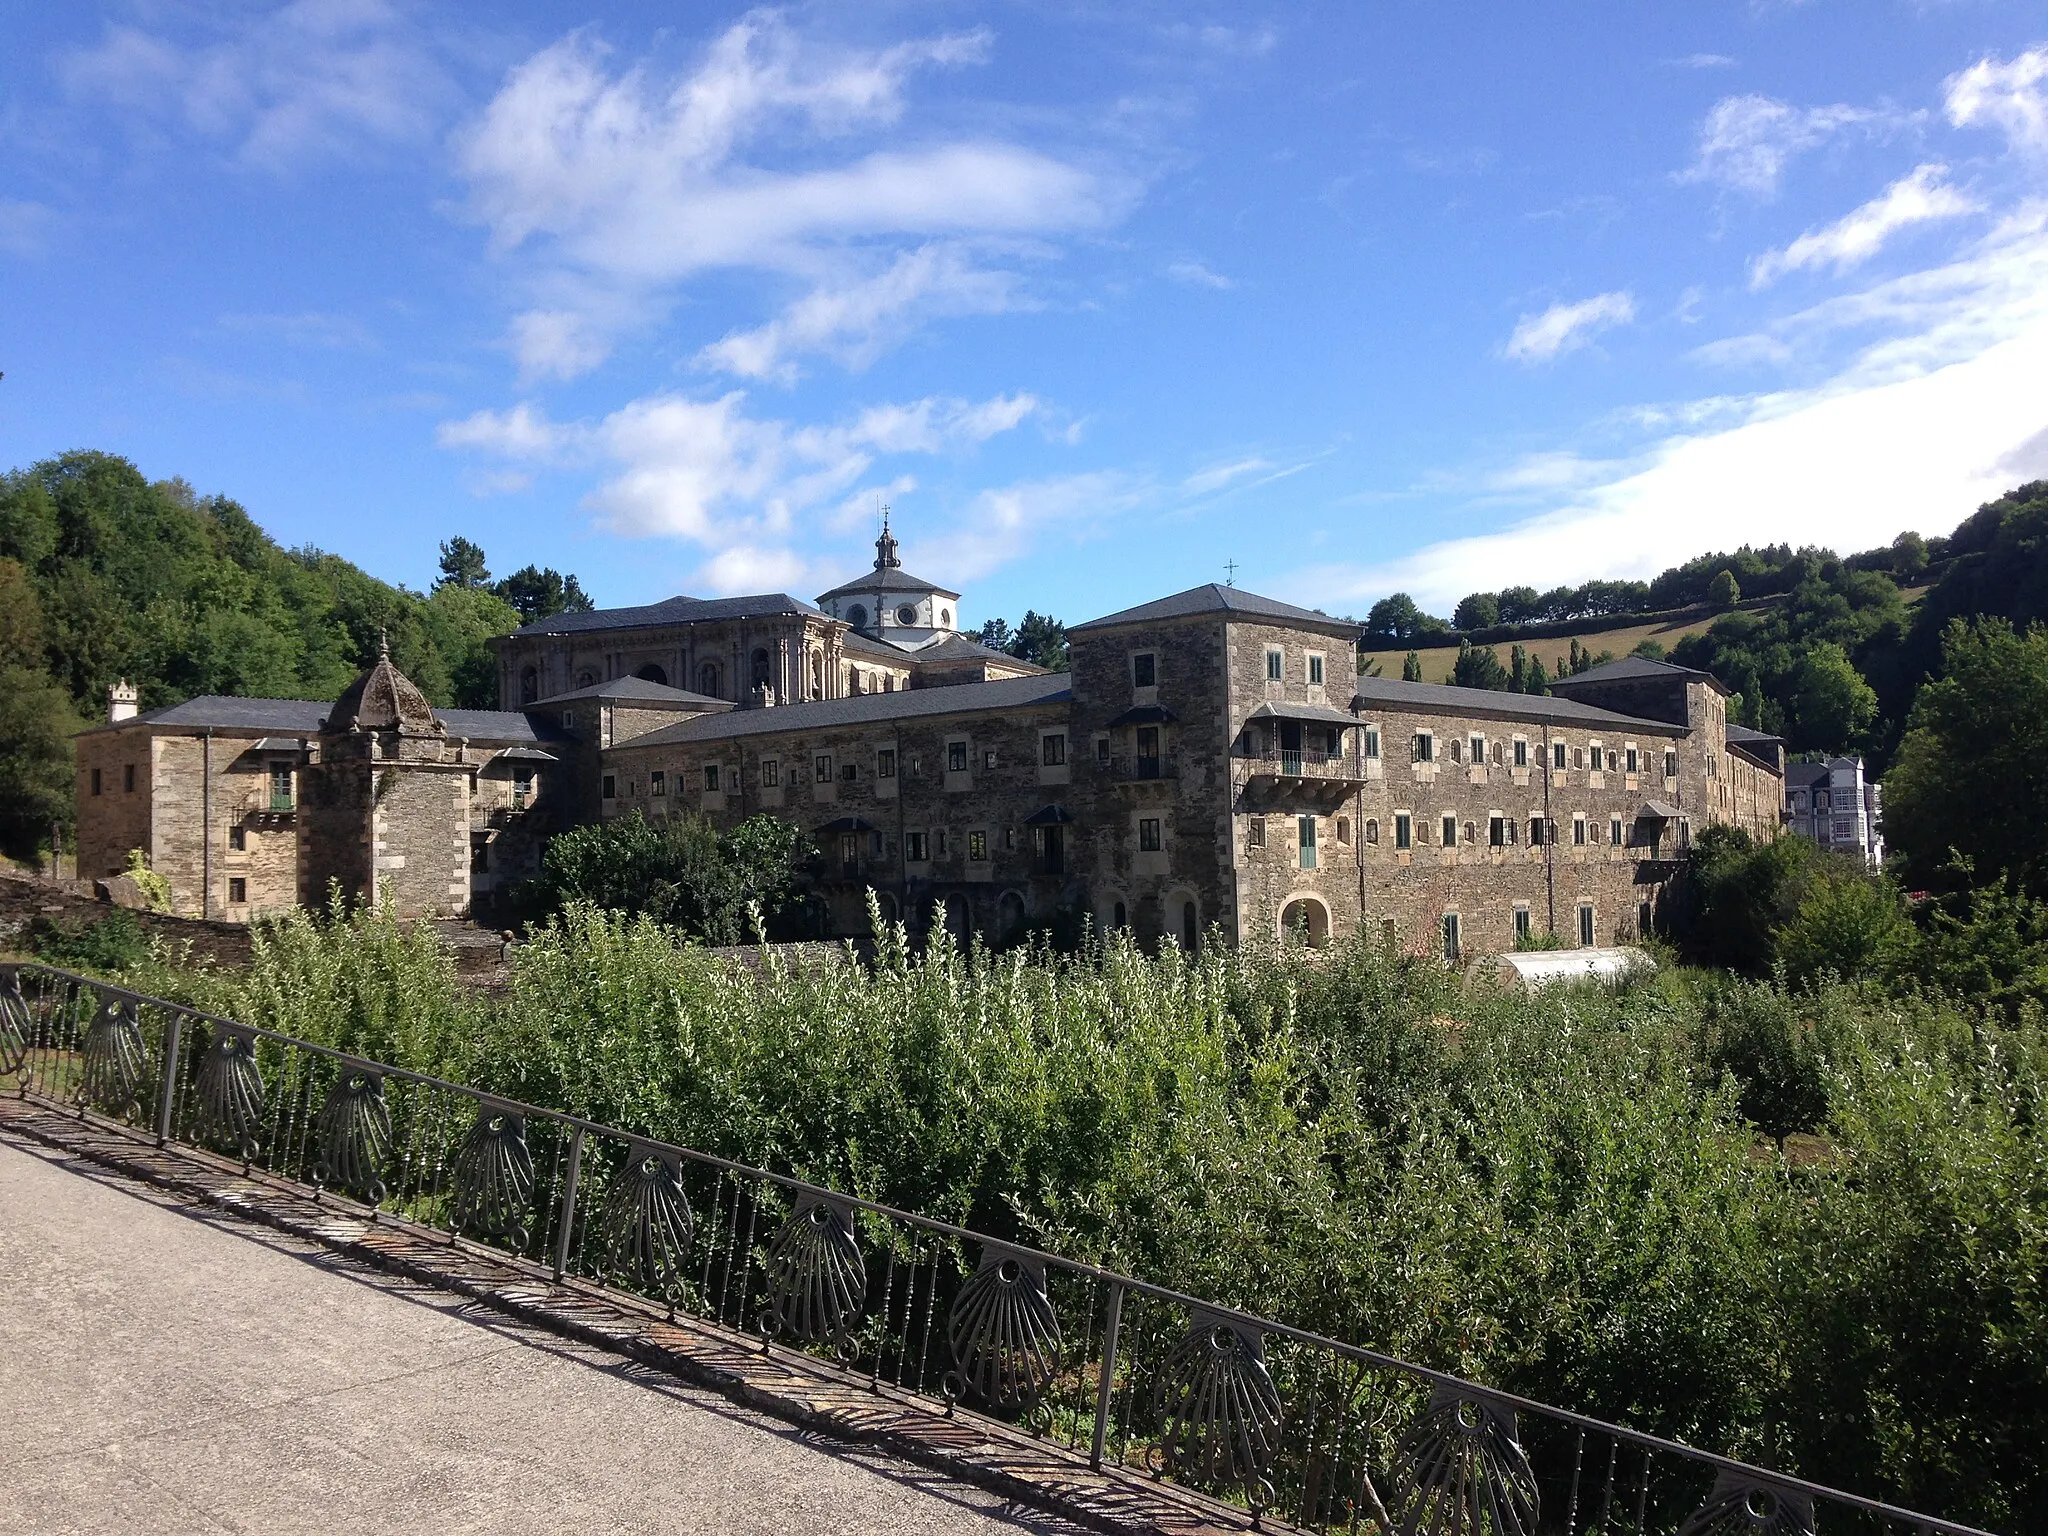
x=1001, y=524
x=745, y=488
x=316, y=79
x=1197, y=275
x=1924, y=196
x=1915, y=431
x=2010, y=96
x=1704, y=61
x=625, y=183
x=1747, y=141
x=1566, y=327
x=1204, y=481
x=556, y=344
x=854, y=323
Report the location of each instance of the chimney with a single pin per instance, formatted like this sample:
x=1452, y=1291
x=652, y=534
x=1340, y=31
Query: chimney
x=122, y=700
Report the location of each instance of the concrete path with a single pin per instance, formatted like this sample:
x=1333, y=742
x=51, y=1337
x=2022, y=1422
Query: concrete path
x=166, y=1371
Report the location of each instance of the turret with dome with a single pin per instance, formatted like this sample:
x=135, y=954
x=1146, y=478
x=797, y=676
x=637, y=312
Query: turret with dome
x=888, y=603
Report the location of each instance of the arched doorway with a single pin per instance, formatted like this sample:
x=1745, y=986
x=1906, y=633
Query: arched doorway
x=959, y=923
x=1306, y=919
x=708, y=680
x=652, y=673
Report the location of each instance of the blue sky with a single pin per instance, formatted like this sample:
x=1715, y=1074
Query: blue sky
x=1099, y=298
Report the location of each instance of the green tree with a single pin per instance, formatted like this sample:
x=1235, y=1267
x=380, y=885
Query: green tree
x=1479, y=611
x=1042, y=640
x=1724, y=591
x=21, y=618
x=685, y=873
x=1972, y=773
x=1849, y=922
x=1478, y=667
x=1832, y=706
x=536, y=593
x=462, y=565
x=1909, y=556
x=36, y=727
x=1411, y=668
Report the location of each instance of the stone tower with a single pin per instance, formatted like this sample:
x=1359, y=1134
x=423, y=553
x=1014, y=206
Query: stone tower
x=384, y=808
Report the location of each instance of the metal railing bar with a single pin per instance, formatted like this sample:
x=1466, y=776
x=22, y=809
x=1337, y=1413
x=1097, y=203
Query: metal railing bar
x=1641, y=1439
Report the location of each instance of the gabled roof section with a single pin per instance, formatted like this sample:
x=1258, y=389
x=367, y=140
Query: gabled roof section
x=636, y=690
x=302, y=717
x=891, y=579
x=864, y=709
x=672, y=610
x=960, y=648
x=1381, y=693
x=1217, y=599
x=1633, y=669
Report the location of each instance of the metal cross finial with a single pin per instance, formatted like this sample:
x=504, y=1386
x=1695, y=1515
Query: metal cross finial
x=1230, y=573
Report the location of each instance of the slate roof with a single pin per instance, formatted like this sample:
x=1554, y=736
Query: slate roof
x=1386, y=693
x=867, y=645
x=886, y=579
x=302, y=717
x=960, y=648
x=672, y=610
x=866, y=709
x=1631, y=669
x=636, y=690
x=1216, y=598
x=1743, y=735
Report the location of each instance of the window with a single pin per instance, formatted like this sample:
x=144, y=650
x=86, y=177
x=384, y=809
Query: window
x=708, y=679
x=568, y=719
x=238, y=838
x=1478, y=750
x=1497, y=831
x=1457, y=750
x=885, y=763
x=711, y=779
x=1557, y=754
x=1632, y=760
x=1645, y=918
x=1521, y=753
x=1372, y=830
x=1009, y=839
x=821, y=767
x=95, y=781
x=1372, y=741
x=529, y=685
x=906, y=614
x=1148, y=835
x=480, y=855
x=1614, y=831
x=1315, y=669
x=522, y=787
x=657, y=783
x=1450, y=831
x=128, y=778
x=1535, y=831
x=1052, y=750
x=977, y=845
x=939, y=843
x=1255, y=834
x=1578, y=831
x=1276, y=664
x=956, y=757
x=1586, y=924
x=1670, y=765
x=1145, y=670
x=1148, y=751
x=1404, y=830
x=1307, y=834
x=238, y=889
x=849, y=773
x=610, y=787
x=1102, y=749
x=1425, y=747
x=1521, y=922
x=988, y=758
x=771, y=773
x=1344, y=831
x=1451, y=936
x=1511, y=831
x=280, y=786
x=857, y=616
x=1579, y=757
x=914, y=847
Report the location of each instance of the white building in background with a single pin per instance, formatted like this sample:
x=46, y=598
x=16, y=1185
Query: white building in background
x=1837, y=807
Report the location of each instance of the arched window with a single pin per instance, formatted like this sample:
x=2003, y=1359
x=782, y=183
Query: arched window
x=761, y=678
x=1372, y=829
x=651, y=673
x=946, y=617
x=817, y=676
x=1306, y=919
x=707, y=679
x=1119, y=917
x=857, y=616
x=529, y=685
x=585, y=678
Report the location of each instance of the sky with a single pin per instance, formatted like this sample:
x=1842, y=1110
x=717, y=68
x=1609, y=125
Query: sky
x=1103, y=300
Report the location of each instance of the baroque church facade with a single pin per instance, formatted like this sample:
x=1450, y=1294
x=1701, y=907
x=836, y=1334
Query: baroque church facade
x=1212, y=763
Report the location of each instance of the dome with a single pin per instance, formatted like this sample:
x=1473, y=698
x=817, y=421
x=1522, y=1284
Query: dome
x=383, y=699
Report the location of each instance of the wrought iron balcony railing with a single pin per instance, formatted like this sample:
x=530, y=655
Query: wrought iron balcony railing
x=1128, y=769
x=1304, y=764
x=1122, y=1374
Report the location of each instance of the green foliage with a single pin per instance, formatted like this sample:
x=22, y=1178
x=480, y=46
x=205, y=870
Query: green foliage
x=1972, y=773
x=1411, y=668
x=1739, y=895
x=1039, y=638
x=1831, y=705
x=1848, y=923
x=1724, y=591
x=1478, y=667
x=1398, y=618
x=684, y=873
x=462, y=564
x=535, y=593
x=106, y=946
x=1479, y=611
x=155, y=888
x=36, y=727
x=1989, y=944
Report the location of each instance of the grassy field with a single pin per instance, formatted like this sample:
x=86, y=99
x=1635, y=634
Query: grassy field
x=1667, y=631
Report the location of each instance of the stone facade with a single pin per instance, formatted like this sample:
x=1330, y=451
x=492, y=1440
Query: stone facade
x=1213, y=763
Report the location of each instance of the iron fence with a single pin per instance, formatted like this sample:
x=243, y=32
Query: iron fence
x=1284, y=1424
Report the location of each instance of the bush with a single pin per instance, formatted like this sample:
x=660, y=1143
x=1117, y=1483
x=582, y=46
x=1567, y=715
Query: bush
x=110, y=945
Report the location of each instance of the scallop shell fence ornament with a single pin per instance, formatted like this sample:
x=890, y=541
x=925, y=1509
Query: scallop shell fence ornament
x=1221, y=1411
x=16, y=1023
x=646, y=1223
x=1462, y=1469
x=227, y=1095
x=353, y=1135
x=817, y=1284
x=494, y=1178
x=1748, y=1506
x=116, y=1060
x=1004, y=1337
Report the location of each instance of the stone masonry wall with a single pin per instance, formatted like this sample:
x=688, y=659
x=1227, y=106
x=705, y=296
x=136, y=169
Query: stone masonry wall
x=117, y=818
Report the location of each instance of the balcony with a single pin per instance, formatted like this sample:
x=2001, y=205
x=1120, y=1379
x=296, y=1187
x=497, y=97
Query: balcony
x=1134, y=770
x=1299, y=775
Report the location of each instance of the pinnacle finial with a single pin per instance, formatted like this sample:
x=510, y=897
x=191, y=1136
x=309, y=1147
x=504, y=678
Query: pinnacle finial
x=885, y=546
x=383, y=644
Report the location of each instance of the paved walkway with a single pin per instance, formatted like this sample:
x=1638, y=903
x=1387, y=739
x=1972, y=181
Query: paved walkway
x=166, y=1371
